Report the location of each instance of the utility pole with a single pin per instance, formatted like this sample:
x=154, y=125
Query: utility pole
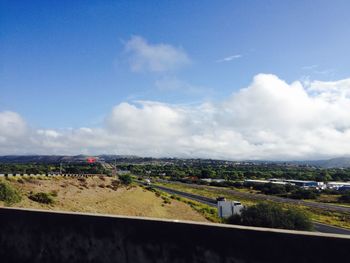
x=60, y=168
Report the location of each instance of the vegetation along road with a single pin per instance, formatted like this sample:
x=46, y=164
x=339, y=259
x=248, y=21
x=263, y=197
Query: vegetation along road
x=212, y=202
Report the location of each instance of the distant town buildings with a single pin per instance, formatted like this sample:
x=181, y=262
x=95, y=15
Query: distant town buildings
x=303, y=183
x=341, y=186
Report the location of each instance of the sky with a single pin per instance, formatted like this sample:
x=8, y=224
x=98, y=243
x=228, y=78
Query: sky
x=210, y=79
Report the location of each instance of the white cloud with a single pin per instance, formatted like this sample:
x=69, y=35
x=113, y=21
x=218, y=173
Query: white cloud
x=152, y=119
x=270, y=119
x=229, y=58
x=13, y=132
x=11, y=125
x=49, y=133
x=154, y=57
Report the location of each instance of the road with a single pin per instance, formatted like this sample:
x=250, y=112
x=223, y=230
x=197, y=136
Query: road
x=262, y=197
x=212, y=202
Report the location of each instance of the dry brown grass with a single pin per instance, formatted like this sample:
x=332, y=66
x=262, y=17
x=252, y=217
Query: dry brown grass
x=88, y=195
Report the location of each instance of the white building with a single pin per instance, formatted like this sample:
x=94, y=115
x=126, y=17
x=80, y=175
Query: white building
x=229, y=208
x=265, y=182
x=211, y=180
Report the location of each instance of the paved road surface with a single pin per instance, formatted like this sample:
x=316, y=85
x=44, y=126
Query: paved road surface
x=212, y=202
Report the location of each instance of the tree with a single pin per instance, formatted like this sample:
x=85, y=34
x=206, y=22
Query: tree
x=272, y=215
x=323, y=176
x=208, y=173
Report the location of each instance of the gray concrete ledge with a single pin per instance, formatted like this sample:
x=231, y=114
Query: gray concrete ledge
x=46, y=236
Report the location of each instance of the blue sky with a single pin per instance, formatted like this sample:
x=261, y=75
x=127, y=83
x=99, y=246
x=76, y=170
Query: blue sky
x=66, y=64
x=67, y=56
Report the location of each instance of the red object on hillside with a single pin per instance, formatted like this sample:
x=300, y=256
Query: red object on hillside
x=91, y=160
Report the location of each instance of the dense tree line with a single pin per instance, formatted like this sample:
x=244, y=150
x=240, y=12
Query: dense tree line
x=193, y=171
x=238, y=172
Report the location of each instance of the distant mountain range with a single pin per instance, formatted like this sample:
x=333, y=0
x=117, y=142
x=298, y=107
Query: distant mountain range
x=58, y=158
x=342, y=162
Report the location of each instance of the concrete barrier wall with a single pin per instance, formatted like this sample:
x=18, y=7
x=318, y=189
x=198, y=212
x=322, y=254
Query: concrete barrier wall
x=38, y=236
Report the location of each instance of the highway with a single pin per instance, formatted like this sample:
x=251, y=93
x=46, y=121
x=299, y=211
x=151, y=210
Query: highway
x=262, y=197
x=212, y=202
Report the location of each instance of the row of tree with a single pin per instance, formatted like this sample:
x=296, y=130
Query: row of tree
x=238, y=172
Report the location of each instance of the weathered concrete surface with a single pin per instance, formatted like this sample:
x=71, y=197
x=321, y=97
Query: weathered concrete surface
x=38, y=236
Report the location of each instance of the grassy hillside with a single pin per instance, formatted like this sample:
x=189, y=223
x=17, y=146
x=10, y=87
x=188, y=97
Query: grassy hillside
x=97, y=195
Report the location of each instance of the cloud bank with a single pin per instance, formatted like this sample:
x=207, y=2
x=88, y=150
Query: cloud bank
x=269, y=119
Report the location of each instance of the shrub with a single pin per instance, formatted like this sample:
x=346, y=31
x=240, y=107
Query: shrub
x=115, y=185
x=83, y=180
x=166, y=200
x=102, y=178
x=237, y=184
x=20, y=181
x=220, y=184
x=54, y=193
x=273, y=189
x=272, y=215
x=330, y=191
x=8, y=194
x=41, y=197
x=150, y=188
x=345, y=197
x=125, y=179
x=304, y=194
